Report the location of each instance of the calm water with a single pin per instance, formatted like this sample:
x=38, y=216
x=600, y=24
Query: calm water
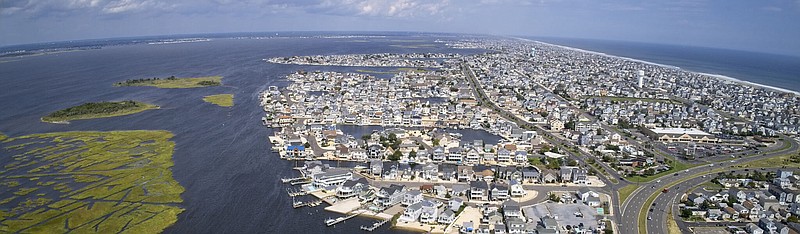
x=769, y=69
x=222, y=155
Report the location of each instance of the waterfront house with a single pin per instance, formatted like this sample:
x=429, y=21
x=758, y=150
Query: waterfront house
x=473, y=155
x=358, y=154
x=295, y=151
x=429, y=212
x=375, y=151
x=446, y=217
x=503, y=155
x=389, y=196
x=412, y=212
x=520, y=156
x=352, y=188
x=412, y=197
x=332, y=177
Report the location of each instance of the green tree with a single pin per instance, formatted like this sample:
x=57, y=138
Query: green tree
x=412, y=154
x=686, y=213
x=396, y=155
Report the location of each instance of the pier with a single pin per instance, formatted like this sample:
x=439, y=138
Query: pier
x=331, y=222
x=294, y=193
x=374, y=226
x=309, y=204
x=292, y=180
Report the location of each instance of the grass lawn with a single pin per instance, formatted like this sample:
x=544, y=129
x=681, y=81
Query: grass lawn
x=178, y=83
x=677, y=166
x=626, y=191
x=672, y=225
x=782, y=160
x=3, y=136
x=224, y=100
x=97, y=110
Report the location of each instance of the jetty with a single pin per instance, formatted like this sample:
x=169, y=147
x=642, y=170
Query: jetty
x=331, y=222
x=374, y=226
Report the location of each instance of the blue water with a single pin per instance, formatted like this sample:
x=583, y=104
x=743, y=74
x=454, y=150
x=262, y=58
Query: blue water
x=222, y=155
x=780, y=71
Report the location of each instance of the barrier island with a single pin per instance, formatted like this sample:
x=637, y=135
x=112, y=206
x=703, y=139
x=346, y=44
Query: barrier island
x=93, y=110
x=224, y=100
x=174, y=83
x=89, y=182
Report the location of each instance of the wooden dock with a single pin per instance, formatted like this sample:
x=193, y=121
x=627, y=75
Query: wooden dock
x=331, y=222
x=294, y=193
x=309, y=204
x=374, y=226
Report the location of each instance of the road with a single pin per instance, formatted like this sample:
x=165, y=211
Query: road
x=631, y=207
x=670, y=200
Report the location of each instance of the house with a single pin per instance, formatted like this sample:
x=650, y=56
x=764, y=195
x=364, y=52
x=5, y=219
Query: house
x=473, y=155
x=549, y=223
x=565, y=174
x=412, y=197
x=714, y=214
x=511, y=209
x=767, y=225
x=332, y=177
x=455, y=204
x=483, y=229
x=376, y=151
x=412, y=212
x=358, y=154
x=549, y=176
x=530, y=175
x=352, y=188
x=753, y=229
x=430, y=172
x=585, y=193
x=465, y=173
x=389, y=196
x=295, y=151
x=515, y=225
x=492, y=217
x=503, y=155
x=592, y=201
x=376, y=167
x=467, y=227
x=460, y=189
x=520, y=156
x=438, y=154
x=478, y=190
x=447, y=217
x=429, y=212
x=454, y=155
x=499, y=191
x=500, y=229
x=516, y=189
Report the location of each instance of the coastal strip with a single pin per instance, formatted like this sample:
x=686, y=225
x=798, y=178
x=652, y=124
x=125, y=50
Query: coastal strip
x=173, y=82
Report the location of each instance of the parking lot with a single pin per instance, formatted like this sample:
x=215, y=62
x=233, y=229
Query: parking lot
x=565, y=214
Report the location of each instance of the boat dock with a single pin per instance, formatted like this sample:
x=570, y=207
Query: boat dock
x=292, y=180
x=309, y=204
x=374, y=226
x=294, y=193
x=331, y=222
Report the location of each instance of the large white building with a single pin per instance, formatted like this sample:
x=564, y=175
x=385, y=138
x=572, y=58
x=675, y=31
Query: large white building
x=332, y=177
x=680, y=135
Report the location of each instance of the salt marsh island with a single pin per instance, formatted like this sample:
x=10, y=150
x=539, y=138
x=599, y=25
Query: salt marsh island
x=223, y=100
x=106, y=182
x=94, y=110
x=173, y=82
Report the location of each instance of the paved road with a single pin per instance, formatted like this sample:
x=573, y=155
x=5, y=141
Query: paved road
x=631, y=207
x=670, y=200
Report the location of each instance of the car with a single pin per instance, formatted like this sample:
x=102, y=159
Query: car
x=704, y=176
x=658, y=181
x=649, y=218
x=687, y=170
x=651, y=209
x=676, y=174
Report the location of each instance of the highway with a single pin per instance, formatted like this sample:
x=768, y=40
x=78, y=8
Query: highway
x=631, y=207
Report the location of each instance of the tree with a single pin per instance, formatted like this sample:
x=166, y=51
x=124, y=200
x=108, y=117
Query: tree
x=412, y=154
x=307, y=145
x=396, y=155
x=554, y=198
x=435, y=142
x=686, y=213
x=366, y=137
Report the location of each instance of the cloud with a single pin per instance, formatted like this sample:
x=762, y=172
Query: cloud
x=392, y=9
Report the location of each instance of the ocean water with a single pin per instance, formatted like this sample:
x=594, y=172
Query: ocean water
x=779, y=71
x=222, y=155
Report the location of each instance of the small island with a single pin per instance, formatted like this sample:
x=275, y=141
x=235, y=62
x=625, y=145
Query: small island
x=93, y=110
x=174, y=83
x=224, y=100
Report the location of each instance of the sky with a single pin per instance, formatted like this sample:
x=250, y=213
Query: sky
x=770, y=26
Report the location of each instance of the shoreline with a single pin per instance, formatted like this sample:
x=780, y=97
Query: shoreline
x=716, y=76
